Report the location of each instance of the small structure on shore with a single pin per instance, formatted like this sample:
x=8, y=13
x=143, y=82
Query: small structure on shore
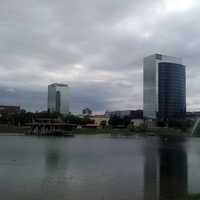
x=51, y=127
x=99, y=120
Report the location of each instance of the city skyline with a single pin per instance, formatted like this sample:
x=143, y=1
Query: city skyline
x=42, y=43
x=50, y=105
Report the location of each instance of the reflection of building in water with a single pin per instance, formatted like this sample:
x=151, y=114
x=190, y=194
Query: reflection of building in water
x=173, y=173
x=165, y=172
x=151, y=175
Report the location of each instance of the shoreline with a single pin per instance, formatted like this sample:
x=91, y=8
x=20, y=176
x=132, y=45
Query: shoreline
x=12, y=134
x=161, y=132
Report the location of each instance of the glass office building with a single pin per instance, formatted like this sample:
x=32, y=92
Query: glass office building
x=58, y=98
x=164, y=95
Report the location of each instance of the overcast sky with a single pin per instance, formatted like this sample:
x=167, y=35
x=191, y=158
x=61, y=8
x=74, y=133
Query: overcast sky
x=95, y=46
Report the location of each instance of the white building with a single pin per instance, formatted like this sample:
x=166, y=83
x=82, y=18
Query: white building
x=58, y=98
x=164, y=86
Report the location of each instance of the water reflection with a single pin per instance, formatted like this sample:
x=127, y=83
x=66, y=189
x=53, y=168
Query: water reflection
x=98, y=168
x=165, y=171
x=151, y=173
x=52, y=159
x=55, y=157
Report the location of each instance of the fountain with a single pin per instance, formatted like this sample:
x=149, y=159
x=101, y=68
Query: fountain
x=195, y=126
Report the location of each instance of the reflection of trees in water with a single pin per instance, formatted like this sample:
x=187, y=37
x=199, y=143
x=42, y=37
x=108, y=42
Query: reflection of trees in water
x=55, y=158
x=52, y=159
x=54, y=181
x=165, y=171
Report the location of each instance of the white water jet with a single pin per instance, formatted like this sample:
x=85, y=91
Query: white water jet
x=195, y=126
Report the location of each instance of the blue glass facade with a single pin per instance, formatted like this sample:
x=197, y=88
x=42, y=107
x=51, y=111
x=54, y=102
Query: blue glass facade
x=171, y=91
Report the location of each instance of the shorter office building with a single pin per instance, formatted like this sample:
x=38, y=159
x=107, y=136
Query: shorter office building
x=133, y=114
x=9, y=110
x=58, y=98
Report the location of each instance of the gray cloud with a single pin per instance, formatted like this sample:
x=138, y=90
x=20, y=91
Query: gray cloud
x=96, y=46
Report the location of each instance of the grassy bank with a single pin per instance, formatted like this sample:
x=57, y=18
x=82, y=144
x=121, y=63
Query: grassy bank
x=191, y=197
x=127, y=131
x=12, y=129
x=166, y=132
x=87, y=131
x=113, y=131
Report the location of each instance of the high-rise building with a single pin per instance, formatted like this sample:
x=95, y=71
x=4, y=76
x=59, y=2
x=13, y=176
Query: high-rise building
x=164, y=94
x=58, y=98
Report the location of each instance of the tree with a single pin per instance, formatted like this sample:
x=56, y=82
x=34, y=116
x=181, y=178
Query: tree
x=86, y=120
x=47, y=114
x=182, y=124
x=116, y=121
x=103, y=123
x=126, y=121
x=72, y=119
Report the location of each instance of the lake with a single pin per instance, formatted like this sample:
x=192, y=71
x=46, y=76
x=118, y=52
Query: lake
x=98, y=168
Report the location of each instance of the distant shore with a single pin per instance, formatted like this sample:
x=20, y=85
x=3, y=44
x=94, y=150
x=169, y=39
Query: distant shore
x=13, y=130
x=190, y=197
x=129, y=132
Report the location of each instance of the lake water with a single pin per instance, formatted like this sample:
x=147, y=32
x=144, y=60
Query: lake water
x=98, y=168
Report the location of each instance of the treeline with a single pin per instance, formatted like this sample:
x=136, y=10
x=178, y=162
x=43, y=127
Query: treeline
x=74, y=119
x=182, y=124
x=119, y=122
x=125, y=122
x=17, y=119
x=23, y=118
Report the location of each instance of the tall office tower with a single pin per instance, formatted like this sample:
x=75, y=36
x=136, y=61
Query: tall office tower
x=58, y=98
x=164, y=94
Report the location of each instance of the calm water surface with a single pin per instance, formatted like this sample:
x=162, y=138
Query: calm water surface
x=98, y=168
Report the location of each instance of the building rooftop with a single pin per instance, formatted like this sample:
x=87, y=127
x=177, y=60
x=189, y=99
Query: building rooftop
x=9, y=106
x=58, y=84
x=99, y=116
x=163, y=57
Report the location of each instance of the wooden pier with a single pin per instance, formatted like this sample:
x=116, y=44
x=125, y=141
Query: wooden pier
x=51, y=127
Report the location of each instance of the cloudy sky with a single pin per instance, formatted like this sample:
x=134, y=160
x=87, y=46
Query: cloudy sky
x=95, y=46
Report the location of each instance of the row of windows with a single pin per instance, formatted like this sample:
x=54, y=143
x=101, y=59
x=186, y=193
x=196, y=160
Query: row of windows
x=180, y=92
x=174, y=81
x=172, y=98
